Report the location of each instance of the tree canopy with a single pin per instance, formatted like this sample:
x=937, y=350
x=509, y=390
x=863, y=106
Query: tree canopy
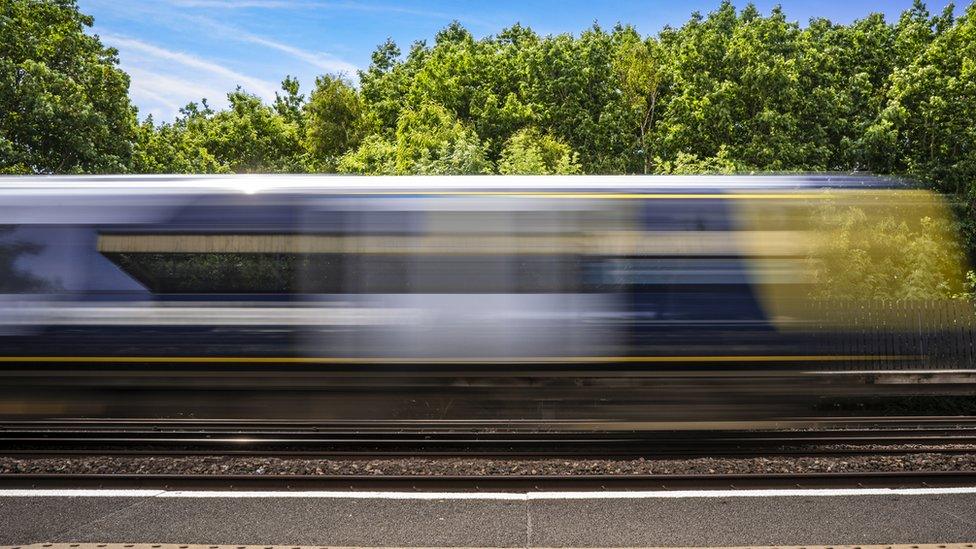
x=730, y=91
x=64, y=105
x=733, y=90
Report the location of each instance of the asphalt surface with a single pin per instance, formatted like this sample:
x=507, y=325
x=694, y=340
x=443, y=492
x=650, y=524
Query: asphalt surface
x=688, y=521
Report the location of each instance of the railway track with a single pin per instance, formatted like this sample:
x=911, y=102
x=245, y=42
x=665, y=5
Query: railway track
x=814, y=436
x=486, y=483
x=114, y=442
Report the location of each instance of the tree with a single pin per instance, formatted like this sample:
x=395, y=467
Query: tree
x=860, y=253
x=499, y=84
x=289, y=104
x=571, y=86
x=385, y=56
x=336, y=121
x=64, y=101
x=429, y=140
x=464, y=155
x=171, y=148
x=690, y=164
x=432, y=136
x=248, y=137
x=737, y=83
x=385, y=83
x=926, y=127
x=726, y=92
x=843, y=79
x=375, y=156
x=641, y=70
x=531, y=153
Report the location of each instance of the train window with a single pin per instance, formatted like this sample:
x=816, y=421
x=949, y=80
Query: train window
x=349, y=273
x=457, y=248
x=210, y=273
x=275, y=263
x=57, y=259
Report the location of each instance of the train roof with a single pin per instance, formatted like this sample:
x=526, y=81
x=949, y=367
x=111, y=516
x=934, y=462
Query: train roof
x=326, y=184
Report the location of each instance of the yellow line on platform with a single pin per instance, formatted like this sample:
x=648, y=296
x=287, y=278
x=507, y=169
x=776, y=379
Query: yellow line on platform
x=610, y=196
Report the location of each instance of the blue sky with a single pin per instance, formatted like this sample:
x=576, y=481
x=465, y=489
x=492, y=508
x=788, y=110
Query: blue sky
x=177, y=51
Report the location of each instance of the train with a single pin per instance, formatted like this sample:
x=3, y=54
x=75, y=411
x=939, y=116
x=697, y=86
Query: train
x=577, y=301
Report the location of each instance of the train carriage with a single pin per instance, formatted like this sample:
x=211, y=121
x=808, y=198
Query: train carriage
x=587, y=300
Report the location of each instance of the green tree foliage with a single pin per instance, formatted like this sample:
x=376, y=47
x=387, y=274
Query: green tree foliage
x=375, y=156
x=690, y=164
x=733, y=90
x=642, y=73
x=248, y=137
x=429, y=140
x=252, y=137
x=432, y=134
x=870, y=257
x=926, y=127
x=64, y=105
x=531, y=153
x=737, y=85
x=171, y=148
x=500, y=84
x=843, y=78
x=464, y=155
x=768, y=94
x=336, y=121
x=730, y=91
x=288, y=103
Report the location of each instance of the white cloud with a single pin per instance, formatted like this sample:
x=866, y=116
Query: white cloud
x=163, y=80
x=358, y=6
x=258, y=86
x=164, y=94
x=168, y=71
x=239, y=4
x=322, y=61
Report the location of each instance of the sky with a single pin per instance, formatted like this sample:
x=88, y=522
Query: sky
x=177, y=51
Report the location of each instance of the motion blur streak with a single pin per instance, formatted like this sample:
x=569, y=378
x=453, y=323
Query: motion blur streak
x=489, y=300
x=447, y=360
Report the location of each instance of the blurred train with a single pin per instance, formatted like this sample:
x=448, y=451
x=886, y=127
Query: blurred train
x=576, y=301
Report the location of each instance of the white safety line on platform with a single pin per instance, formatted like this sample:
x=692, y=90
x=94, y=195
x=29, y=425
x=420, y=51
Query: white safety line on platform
x=513, y=496
x=201, y=546
x=340, y=494
x=33, y=493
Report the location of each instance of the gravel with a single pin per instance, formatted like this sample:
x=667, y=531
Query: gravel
x=237, y=465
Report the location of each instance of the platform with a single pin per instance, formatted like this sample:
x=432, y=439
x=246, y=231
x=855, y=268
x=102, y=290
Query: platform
x=805, y=518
